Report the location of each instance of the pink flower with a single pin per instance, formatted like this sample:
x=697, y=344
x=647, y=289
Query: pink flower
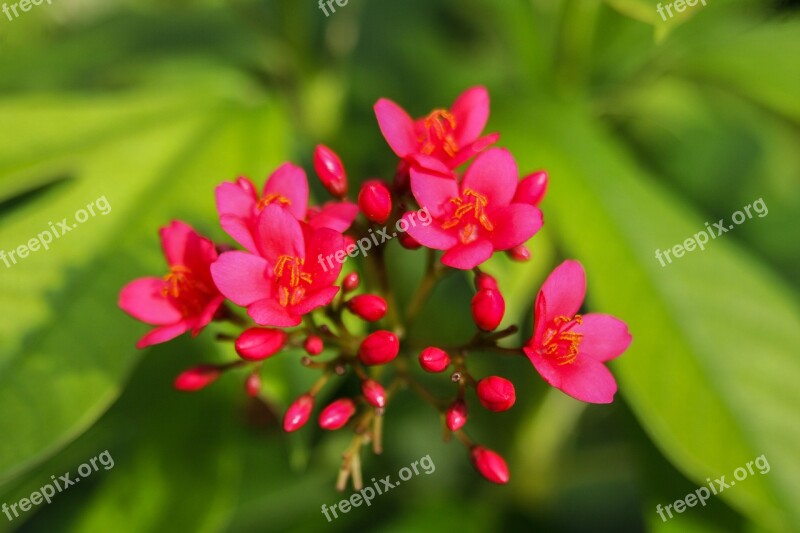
x=451, y=136
x=334, y=215
x=476, y=217
x=286, y=279
x=186, y=298
x=569, y=350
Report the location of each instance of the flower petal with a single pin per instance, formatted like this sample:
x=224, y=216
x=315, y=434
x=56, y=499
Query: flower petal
x=144, y=300
x=396, y=126
x=173, y=241
x=604, y=336
x=471, y=110
x=321, y=244
x=493, y=174
x=468, y=151
x=164, y=334
x=279, y=233
x=207, y=315
x=290, y=181
x=431, y=235
x=337, y=216
x=235, y=199
x=432, y=190
x=314, y=300
x=584, y=379
x=467, y=256
x=564, y=290
x=239, y=229
x=241, y=277
x=269, y=312
x=514, y=224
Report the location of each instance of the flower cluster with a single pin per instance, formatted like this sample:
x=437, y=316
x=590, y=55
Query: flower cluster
x=478, y=206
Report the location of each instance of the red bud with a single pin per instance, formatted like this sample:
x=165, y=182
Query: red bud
x=379, y=348
x=351, y=282
x=375, y=201
x=297, y=414
x=456, y=415
x=367, y=306
x=252, y=385
x=373, y=393
x=255, y=344
x=531, y=189
x=519, y=253
x=434, y=359
x=488, y=308
x=490, y=465
x=496, y=393
x=485, y=281
x=197, y=378
x=337, y=414
x=408, y=242
x=313, y=345
x=330, y=170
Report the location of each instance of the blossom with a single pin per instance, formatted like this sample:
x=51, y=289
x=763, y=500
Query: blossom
x=284, y=280
x=568, y=349
x=477, y=216
x=186, y=298
x=450, y=135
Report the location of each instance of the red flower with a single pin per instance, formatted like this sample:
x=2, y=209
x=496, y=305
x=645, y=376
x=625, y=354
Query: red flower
x=286, y=280
x=186, y=298
x=476, y=217
x=569, y=350
x=451, y=136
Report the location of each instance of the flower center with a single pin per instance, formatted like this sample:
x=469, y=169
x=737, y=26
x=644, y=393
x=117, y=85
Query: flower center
x=470, y=215
x=270, y=198
x=290, y=277
x=439, y=128
x=561, y=344
x=187, y=293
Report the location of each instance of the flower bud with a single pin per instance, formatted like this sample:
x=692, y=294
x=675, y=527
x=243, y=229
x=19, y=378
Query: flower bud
x=488, y=308
x=531, y=189
x=373, y=393
x=519, y=253
x=351, y=282
x=489, y=464
x=256, y=344
x=313, y=345
x=379, y=348
x=456, y=415
x=197, y=378
x=367, y=306
x=337, y=414
x=496, y=393
x=434, y=359
x=485, y=281
x=297, y=414
x=408, y=242
x=375, y=201
x=330, y=170
x=252, y=385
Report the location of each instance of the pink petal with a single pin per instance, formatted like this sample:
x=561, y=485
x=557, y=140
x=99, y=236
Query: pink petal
x=233, y=199
x=432, y=235
x=207, y=315
x=314, y=300
x=269, y=312
x=471, y=110
x=240, y=230
x=163, y=334
x=494, y=174
x=200, y=253
x=334, y=215
x=467, y=256
x=433, y=191
x=515, y=224
x=143, y=300
x=278, y=234
x=290, y=181
x=321, y=244
x=604, y=336
x=396, y=126
x=241, y=277
x=469, y=151
x=173, y=241
x=584, y=379
x=564, y=289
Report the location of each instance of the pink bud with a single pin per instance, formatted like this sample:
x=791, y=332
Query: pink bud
x=434, y=359
x=367, y=306
x=252, y=385
x=337, y=414
x=408, y=242
x=379, y=348
x=351, y=282
x=490, y=464
x=488, y=308
x=496, y=393
x=456, y=415
x=255, y=344
x=375, y=201
x=485, y=281
x=330, y=170
x=313, y=345
x=531, y=189
x=197, y=378
x=519, y=253
x=373, y=393
x=297, y=414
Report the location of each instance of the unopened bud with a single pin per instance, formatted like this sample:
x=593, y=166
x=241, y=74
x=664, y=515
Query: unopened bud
x=351, y=282
x=489, y=464
x=297, y=414
x=456, y=415
x=375, y=201
x=434, y=359
x=337, y=414
x=485, y=281
x=367, y=306
x=197, y=378
x=488, y=308
x=408, y=242
x=379, y=348
x=496, y=393
x=519, y=253
x=256, y=344
x=374, y=393
x=531, y=189
x=252, y=385
x=313, y=345
x=330, y=170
